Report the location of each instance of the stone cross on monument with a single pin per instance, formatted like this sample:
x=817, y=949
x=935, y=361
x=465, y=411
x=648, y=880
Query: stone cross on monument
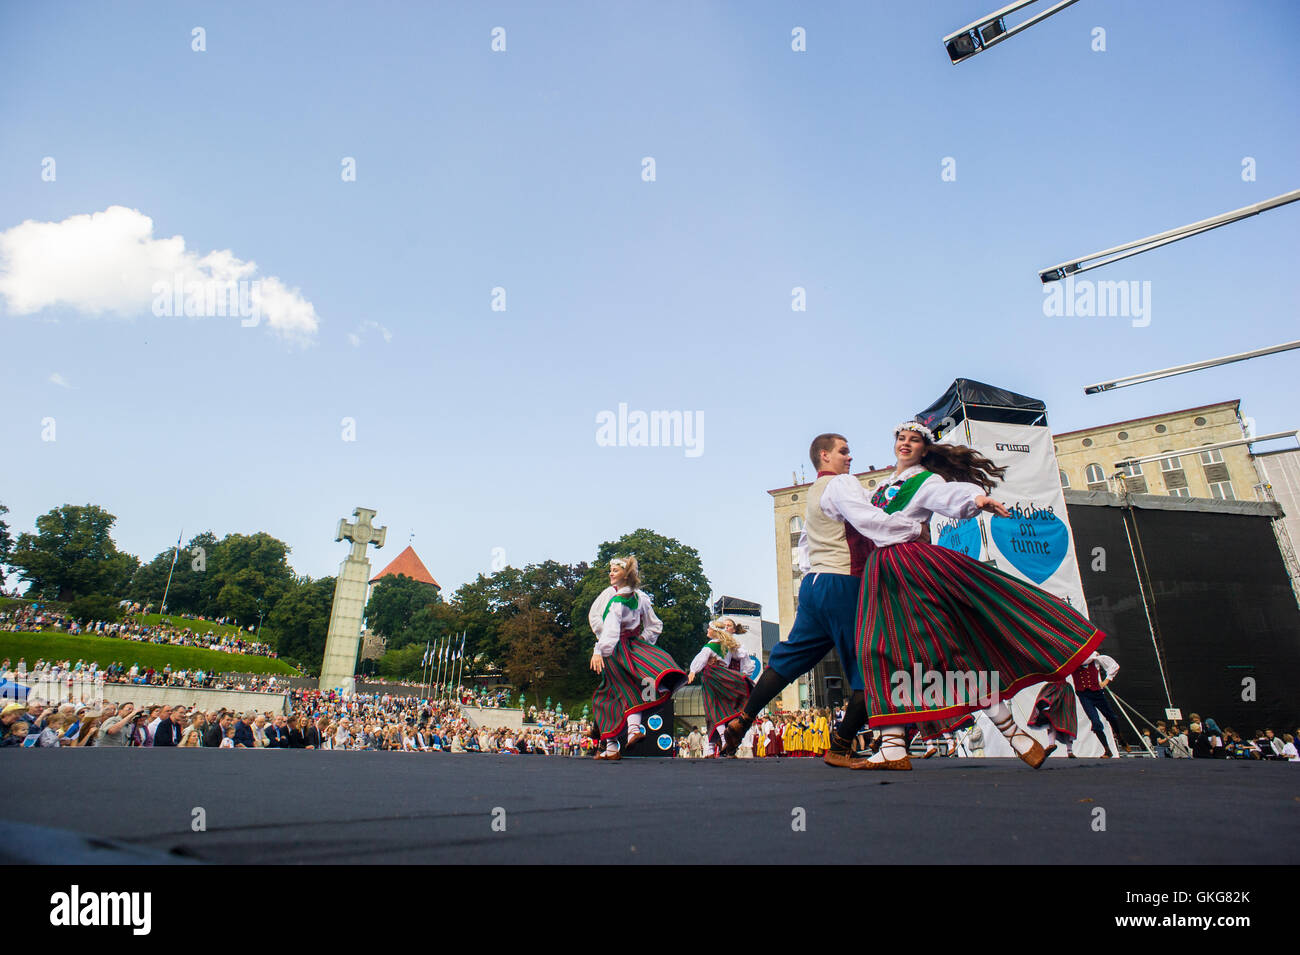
x=344, y=635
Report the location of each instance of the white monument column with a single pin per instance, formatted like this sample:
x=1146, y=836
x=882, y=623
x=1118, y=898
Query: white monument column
x=344, y=636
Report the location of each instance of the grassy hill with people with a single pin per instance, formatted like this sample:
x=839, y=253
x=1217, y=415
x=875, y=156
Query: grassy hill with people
x=52, y=645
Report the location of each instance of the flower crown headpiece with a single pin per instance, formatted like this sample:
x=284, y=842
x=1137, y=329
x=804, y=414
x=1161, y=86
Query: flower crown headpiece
x=918, y=428
x=620, y=562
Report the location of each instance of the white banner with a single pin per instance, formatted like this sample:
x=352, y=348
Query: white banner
x=1035, y=544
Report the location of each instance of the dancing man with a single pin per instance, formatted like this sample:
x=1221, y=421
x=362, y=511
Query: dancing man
x=635, y=675
x=1091, y=683
x=833, y=550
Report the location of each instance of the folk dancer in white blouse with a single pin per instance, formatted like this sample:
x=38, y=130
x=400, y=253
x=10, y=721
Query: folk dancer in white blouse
x=635, y=675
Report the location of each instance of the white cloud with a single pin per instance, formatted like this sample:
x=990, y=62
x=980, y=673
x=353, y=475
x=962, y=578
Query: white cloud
x=354, y=338
x=57, y=379
x=110, y=262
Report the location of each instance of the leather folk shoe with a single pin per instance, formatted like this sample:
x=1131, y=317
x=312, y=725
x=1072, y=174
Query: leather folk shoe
x=733, y=733
x=904, y=763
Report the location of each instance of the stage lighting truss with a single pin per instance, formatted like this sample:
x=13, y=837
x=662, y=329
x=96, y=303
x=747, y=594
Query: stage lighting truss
x=991, y=30
x=1184, y=369
x=1188, y=452
x=1085, y=263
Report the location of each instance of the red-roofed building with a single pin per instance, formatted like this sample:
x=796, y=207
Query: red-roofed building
x=409, y=564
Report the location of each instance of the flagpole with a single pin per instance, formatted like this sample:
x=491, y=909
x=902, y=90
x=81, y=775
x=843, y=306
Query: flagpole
x=442, y=658
x=424, y=662
x=175, y=554
x=434, y=664
x=461, y=675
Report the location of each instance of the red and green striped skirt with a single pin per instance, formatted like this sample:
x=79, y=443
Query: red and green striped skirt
x=725, y=691
x=1056, y=707
x=637, y=676
x=941, y=635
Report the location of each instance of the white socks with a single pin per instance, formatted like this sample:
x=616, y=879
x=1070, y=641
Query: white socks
x=891, y=746
x=1020, y=741
x=634, y=725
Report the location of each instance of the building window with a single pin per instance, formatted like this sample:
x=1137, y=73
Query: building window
x=1222, y=490
x=1214, y=456
x=1171, y=469
x=1199, y=422
x=1133, y=478
x=1161, y=429
x=1065, y=479
x=1123, y=435
x=1087, y=442
x=1096, y=478
x=796, y=528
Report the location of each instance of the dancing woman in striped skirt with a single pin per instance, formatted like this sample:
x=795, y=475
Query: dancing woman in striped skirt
x=725, y=672
x=940, y=634
x=635, y=675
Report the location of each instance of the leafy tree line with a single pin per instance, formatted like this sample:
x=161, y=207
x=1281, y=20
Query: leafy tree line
x=529, y=623
x=71, y=558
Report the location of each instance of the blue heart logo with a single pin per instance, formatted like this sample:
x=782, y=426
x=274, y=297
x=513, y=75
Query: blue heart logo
x=1034, y=541
x=963, y=537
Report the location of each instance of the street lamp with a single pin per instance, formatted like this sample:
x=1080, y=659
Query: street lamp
x=1138, y=246
x=1184, y=369
x=991, y=30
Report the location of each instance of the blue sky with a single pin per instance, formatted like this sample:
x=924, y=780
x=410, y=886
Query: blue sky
x=475, y=429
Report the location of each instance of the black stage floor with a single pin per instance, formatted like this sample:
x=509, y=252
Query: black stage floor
x=300, y=806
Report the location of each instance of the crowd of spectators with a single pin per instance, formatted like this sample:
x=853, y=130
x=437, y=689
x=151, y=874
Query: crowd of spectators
x=317, y=721
x=34, y=618
x=1203, y=739
x=65, y=671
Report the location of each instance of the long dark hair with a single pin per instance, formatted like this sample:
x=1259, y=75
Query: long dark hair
x=956, y=462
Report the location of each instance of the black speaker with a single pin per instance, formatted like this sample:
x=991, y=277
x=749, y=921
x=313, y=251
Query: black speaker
x=658, y=739
x=834, y=691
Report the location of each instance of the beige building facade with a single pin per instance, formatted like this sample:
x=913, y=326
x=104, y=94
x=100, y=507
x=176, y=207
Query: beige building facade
x=1087, y=460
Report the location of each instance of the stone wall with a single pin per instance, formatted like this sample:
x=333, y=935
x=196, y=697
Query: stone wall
x=238, y=700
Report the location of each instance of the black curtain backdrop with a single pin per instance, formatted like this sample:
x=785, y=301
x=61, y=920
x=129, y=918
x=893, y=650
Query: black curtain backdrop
x=1223, y=606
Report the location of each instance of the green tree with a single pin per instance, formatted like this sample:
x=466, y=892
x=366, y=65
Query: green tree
x=401, y=664
x=299, y=622
x=6, y=543
x=245, y=572
x=394, y=603
x=95, y=607
x=671, y=573
x=430, y=625
x=187, y=577
x=533, y=648
x=72, y=554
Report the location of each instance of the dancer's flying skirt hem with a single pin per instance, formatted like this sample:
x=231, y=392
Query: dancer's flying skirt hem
x=1003, y=694
x=929, y=610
